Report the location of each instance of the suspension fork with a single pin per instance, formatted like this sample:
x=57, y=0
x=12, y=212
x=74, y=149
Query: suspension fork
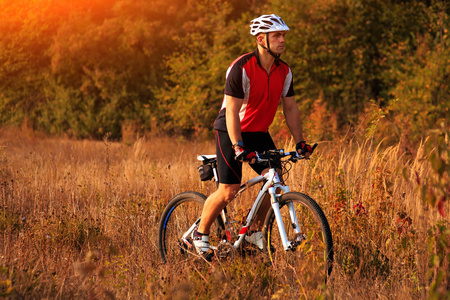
x=294, y=221
x=276, y=209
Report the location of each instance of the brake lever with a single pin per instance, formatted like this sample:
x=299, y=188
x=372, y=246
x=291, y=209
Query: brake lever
x=258, y=158
x=294, y=156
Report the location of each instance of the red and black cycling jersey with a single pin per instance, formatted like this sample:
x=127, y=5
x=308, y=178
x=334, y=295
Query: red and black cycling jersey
x=248, y=80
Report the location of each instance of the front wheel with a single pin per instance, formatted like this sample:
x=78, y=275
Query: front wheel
x=181, y=216
x=311, y=255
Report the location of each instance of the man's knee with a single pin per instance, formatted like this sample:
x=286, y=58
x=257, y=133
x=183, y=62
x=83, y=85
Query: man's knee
x=228, y=191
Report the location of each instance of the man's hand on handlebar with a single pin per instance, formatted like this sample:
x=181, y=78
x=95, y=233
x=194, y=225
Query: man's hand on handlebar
x=243, y=154
x=304, y=149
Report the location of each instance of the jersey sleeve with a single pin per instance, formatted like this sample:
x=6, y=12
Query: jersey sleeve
x=288, y=88
x=233, y=85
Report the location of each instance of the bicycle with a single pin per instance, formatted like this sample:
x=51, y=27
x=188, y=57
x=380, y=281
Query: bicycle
x=308, y=239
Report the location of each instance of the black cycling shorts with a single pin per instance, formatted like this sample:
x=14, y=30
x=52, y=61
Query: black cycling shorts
x=229, y=169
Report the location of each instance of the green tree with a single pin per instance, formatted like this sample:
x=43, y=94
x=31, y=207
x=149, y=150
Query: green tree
x=84, y=67
x=26, y=31
x=340, y=49
x=193, y=92
x=422, y=92
x=108, y=69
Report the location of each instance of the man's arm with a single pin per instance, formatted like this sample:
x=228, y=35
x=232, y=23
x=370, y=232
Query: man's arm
x=292, y=116
x=233, y=106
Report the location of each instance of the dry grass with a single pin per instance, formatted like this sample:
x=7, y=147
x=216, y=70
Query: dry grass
x=79, y=219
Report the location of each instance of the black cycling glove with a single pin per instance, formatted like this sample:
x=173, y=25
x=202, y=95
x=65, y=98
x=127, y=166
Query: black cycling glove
x=304, y=148
x=243, y=154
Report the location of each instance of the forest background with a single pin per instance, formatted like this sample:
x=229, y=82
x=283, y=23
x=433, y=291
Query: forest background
x=84, y=68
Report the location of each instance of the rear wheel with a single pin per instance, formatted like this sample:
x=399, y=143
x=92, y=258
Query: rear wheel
x=311, y=255
x=180, y=214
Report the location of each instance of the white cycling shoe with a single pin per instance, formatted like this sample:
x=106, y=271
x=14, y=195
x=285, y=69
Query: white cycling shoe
x=201, y=244
x=256, y=238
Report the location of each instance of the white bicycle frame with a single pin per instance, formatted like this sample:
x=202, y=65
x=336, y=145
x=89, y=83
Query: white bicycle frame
x=271, y=185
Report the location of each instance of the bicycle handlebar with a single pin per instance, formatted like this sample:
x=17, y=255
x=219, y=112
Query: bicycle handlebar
x=279, y=153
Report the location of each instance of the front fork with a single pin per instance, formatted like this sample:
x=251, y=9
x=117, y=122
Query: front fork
x=293, y=216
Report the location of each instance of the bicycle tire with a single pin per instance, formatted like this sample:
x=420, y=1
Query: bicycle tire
x=178, y=216
x=313, y=252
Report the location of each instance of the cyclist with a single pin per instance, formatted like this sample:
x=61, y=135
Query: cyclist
x=255, y=83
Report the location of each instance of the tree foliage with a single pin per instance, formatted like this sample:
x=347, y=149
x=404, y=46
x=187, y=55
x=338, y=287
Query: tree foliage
x=193, y=92
x=84, y=68
x=344, y=50
x=422, y=92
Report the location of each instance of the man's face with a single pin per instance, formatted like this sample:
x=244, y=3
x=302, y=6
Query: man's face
x=276, y=41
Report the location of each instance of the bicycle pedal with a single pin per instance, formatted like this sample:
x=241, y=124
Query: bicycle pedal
x=208, y=256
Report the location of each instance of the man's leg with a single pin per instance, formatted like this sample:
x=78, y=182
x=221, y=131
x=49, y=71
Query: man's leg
x=214, y=205
x=255, y=235
x=261, y=142
x=258, y=223
x=212, y=208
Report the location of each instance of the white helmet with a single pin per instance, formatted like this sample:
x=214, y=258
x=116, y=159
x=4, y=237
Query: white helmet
x=267, y=23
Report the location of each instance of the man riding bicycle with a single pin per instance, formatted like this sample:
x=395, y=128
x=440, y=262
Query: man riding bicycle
x=255, y=83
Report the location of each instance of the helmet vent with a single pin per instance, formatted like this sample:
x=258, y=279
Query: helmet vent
x=275, y=20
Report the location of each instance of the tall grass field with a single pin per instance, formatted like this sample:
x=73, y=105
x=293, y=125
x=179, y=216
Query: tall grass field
x=79, y=220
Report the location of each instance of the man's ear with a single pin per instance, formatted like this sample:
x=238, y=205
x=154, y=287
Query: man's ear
x=261, y=39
